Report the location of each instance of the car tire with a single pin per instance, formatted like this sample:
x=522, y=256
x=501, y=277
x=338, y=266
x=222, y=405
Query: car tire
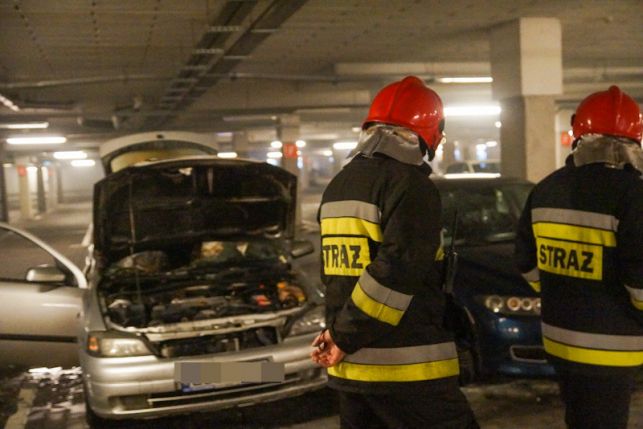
x=468, y=367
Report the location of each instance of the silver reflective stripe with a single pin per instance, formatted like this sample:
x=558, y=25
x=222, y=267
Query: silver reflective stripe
x=404, y=355
x=593, y=341
x=351, y=208
x=382, y=294
x=636, y=294
x=532, y=276
x=575, y=217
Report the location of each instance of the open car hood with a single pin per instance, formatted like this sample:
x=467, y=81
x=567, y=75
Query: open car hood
x=173, y=202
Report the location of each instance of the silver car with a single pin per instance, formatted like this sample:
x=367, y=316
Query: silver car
x=192, y=259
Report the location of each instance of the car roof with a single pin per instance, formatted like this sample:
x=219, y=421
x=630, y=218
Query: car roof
x=476, y=180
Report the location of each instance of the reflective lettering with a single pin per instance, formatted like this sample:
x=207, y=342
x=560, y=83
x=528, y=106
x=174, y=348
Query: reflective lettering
x=345, y=256
x=570, y=259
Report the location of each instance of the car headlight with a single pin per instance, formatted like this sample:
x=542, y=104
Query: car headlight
x=512, y=305
x=312, y=321
x=106, y=344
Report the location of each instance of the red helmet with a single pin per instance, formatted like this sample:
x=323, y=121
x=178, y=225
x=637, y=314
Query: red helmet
x=411, y=104
x=610, y=112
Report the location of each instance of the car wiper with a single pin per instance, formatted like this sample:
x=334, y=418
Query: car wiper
x=500, y=237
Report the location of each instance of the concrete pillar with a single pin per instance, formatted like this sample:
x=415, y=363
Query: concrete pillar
x=52, y=176
x=288, y=133
x=40, y=188
x=563, y=125
x=59, y=183
x=4, y=202
x=240, y=144
x=526, y=66
x=26, y=209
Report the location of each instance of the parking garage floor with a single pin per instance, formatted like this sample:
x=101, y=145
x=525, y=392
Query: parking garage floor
x=53, y=398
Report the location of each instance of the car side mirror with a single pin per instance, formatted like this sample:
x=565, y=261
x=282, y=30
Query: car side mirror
x=301, y=248
x=45, y=274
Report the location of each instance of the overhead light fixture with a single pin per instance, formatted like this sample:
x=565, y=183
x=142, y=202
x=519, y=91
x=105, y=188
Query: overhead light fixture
x=274, y=155
x=37, y=140
x=70, y=154
x=83, y=163
x=8, y=103
x=491, y=143
x=227, y=154
x=471, y=79
x=473, y=110
x=300, y=143
x=327, y=152
x=276, y=144
x=25, y=125
x=345, y=145
x=7, y=165
x=497, y=124
x=356, y=129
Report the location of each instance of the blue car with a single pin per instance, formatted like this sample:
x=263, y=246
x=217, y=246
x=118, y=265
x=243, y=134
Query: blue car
x=504, y=310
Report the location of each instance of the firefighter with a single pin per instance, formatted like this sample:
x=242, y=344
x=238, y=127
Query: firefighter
x=580, y=243
x=385, y=348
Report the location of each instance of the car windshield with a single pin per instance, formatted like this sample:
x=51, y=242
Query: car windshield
x=486, y=212
x=486, y=167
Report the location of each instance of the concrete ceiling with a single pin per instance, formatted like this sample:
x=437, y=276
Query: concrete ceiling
x=97, y=69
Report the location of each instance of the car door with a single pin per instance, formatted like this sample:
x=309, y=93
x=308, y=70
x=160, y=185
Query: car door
x=40, y=302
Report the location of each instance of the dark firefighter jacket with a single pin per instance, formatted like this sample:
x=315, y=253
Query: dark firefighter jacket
x=381, y=251
x=580, y=242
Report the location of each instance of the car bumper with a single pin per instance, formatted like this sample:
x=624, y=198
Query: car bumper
x=144, y=386
x=512, y=346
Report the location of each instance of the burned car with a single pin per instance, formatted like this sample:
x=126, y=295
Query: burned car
x=193, y=258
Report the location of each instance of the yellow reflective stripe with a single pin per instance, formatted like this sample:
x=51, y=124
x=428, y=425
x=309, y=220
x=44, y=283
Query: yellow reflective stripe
x=351, y=226
x=439, y=255
x=592, y=356
x=535, y=286
x=375, y=309
x=581, y=234
x=396, y=373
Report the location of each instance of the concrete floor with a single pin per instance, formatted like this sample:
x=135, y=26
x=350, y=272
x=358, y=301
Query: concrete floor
x=53, y=398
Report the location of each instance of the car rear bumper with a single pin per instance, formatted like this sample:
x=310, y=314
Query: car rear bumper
x=140, y=387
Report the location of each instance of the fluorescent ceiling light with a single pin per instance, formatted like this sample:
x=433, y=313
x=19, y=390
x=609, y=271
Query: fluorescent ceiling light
x=83, y=163
x=8, y=103
x=25, y=125
x=227, y=154
x=471, y=79
x=497, y=124
x=274, y=155
x=491, y=143
x=70, y=154
x=7, y=165
x=37, y=140
x=356, y=129
x=472, y=110
x=276, y=144
x=300, y=143
x=345, y=145
x=327, y=152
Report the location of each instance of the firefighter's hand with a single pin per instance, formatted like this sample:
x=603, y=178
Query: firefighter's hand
x=327, y=353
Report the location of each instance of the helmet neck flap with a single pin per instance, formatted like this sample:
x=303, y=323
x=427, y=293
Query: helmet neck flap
x=613, y=151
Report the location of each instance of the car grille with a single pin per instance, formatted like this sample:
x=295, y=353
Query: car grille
x=209, y=344
x=534, y=354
